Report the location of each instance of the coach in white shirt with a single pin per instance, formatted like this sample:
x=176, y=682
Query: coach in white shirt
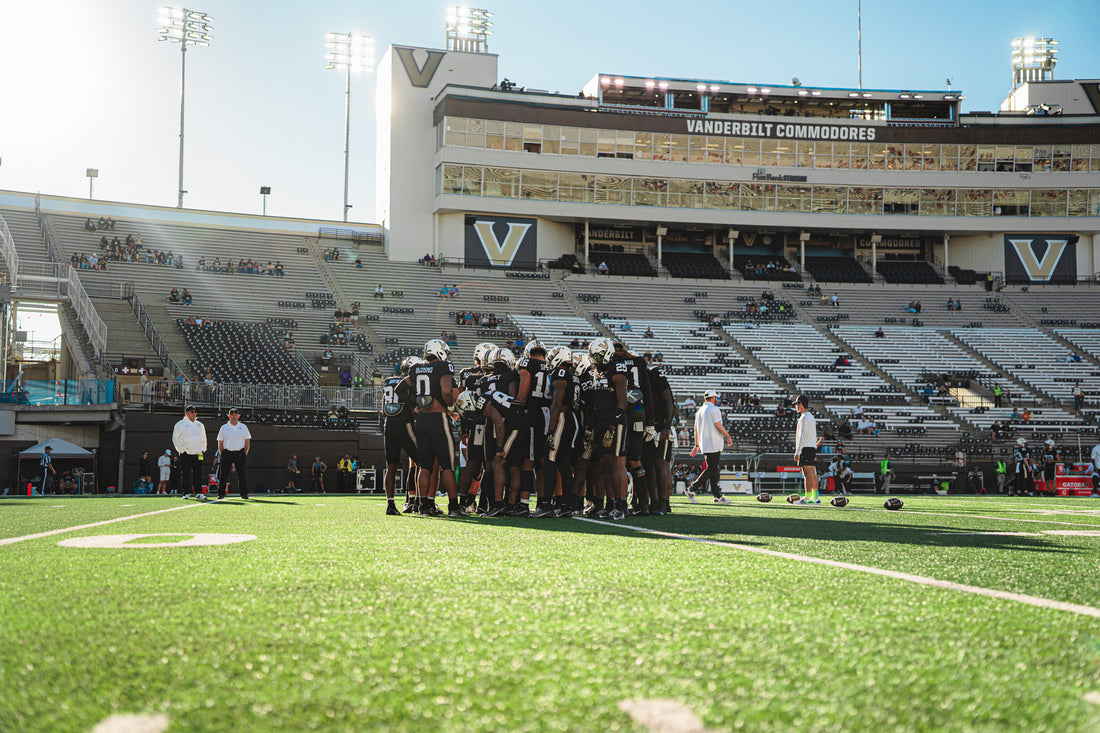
x=234, y=441
x=189, y=439
x=806, y=444
x=709, y=434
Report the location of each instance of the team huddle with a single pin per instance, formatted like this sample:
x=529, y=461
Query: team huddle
x=573, y=429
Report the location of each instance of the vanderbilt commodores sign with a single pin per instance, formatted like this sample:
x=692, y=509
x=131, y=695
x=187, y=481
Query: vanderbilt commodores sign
x=501, y=241
x=1040, y=258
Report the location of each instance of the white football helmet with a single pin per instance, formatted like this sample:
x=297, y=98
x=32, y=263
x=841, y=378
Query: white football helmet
x=1050, y=442
x=1021, y=441
x=558, y=356
x=502, y=360
x=409, y=363
x=438, y=349
x=531, y=346
x=466, y=403
x=481, y=351
x=601, y=351
x=582, y=364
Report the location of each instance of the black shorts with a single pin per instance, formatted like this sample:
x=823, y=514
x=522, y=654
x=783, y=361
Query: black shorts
x=807, y=457
x=610, y=438
x=635, y=436
x=515, y=444
x=562, y=443
x=659, y=452
x=475, y=444
x=1048, y=473
x=434, y=441
x=538, y=418
x=399, y=435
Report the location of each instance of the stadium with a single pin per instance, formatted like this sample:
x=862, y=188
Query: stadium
x=924, y=277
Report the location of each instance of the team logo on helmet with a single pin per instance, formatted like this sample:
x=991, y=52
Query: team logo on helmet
x=437, y=348
x=501, y=359
x=409, y=362
x=601, y=351
x=533, y=345
x=466, y=403
x=481, y=351
x=559, y=356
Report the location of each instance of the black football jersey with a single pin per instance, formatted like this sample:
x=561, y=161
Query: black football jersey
x=470, y=377
x=571, y=397
x=539, y=396
x=501, y=402
x=603, y=389
x=427, y=379
x=398, y=400
x=658, y=383
x=507, y=382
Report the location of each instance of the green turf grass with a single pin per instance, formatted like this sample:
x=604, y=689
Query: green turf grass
x=340, y=618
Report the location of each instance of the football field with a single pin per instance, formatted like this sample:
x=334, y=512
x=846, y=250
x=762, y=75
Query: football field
x=318, y=612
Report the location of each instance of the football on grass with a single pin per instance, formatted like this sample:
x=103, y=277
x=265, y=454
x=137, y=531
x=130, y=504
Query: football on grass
x=764, y=497
x=793, y=498
x=839, y=501
x=893, y=504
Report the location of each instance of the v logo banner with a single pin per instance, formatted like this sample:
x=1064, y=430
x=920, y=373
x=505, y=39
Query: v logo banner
x=500, y=253
x=419, y=76
x=1039, y=270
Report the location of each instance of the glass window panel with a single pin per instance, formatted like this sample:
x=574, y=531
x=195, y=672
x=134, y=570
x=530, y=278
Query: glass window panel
x=1061, y=155
x=606, y=136
x=457, y=139
x=735, y=150
x=823, y=155
x=949, y=157
x=721, y=195
x=660, y=146
x=456, y=124
x=1080, y=157
x=968, y=157
x=751, y=154
x=494, y=142
x=805, y=154
x=769, y=157
x=513, y=129
x=895, y=157
x=876, y=156
x=475, y=139
x=987, y=155
x=1006, y=158
x=931, y=160
x=678, y=148
x=471, y=180
x=914, y=156
x=769, y=145
x=548, y=146
x=539, y=185
x=613, y=190
x=1048, y=202
x=841, y=154
x=643, y=145
x=757, y=197
x=685, y=193
x=1011, y=202
x=900, y=201
x=716, y=149
x=975, y=202
x=551, y=132
x=452, y=179
x=1042, y=158
x=786, y=150
x=864, y=200
x=830, y=200
x=1094, y=202
x=697, y=148
x=859, y=156
x=792, y=198
x=501, y=182
x=1024, y=153
x=1078, y=202
x=532, y=133
x=650, y=191
x=576, y=187
x=937, y=201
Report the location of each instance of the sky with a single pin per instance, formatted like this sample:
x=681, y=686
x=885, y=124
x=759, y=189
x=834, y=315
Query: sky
x=87, y=85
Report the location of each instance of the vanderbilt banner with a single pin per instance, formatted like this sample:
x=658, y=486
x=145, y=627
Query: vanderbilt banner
x=1040, y=258
x=501, y=241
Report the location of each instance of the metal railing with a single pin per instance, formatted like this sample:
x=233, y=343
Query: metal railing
x=253, y=396
x=146, y=322
x=7, y=251
x=85, y=311
x=47, y=233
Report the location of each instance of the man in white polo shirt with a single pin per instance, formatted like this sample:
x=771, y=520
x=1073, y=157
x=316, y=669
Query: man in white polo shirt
x=709, y=434
x=189, y=439
x=234, y=441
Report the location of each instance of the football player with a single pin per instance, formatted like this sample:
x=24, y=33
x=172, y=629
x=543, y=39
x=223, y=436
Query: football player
x=657, y=448
x=562, y=429
x=433, y=382
x=398, y=434
x=1021, y=484
x=472, y=430
x=639, y=398
x=533, y=393
x=610, y=423
x=513, y=436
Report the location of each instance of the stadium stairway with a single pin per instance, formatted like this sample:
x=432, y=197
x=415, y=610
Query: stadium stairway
x=25, y=232
x=1015, y=384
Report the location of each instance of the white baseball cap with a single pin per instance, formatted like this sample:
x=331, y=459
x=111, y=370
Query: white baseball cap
x=709, y=393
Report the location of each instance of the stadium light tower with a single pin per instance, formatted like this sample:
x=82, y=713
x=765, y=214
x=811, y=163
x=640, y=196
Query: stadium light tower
x=468, y=29
x=1033, y=59
x=348, y=52
x=187, y=28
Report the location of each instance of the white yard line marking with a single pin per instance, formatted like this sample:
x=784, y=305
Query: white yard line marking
x=663, y=716
x=1093, y=697
x=133, y=724
x=39, y=535
x=908, y=577
x=991, y=534
x=977, y=516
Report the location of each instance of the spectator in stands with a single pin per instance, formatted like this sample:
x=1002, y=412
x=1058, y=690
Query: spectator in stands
x=1026, y=415
x=626, y=326
x=186, y=297
x=575, y=343
x=603, y=268
x=958, y=305
x=688, y=403
x=89, y=225
x=289, y=343
x=174, y=296
x=842, y=360
x=379, y=293
x=996, y=430
x=358, y=263
x=857, y=412
x=345, y=376
x=1078, y=398
x=880, y=334
x=444, y=291
x=1015, y=414
x=648, y=333
x=333, y=417
x=202, y=264
x=1075, y=358
x=326, y=356
x=279, y=272
x=950, y=304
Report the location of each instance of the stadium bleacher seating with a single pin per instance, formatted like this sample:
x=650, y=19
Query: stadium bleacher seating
x=242, y=353
x=909, y=273
x=694, y=264
x=836, y=270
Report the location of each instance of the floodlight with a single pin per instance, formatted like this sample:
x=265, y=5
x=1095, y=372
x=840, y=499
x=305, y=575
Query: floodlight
x=348, y=52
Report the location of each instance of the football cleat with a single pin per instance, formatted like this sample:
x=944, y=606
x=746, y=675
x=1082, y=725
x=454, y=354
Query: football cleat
x=616, y=515
x=438, y=349
x=894, y=503
x=839, y=501
x=764, y=497
x=391, y=510
x=542, y=512
x=721, y=500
